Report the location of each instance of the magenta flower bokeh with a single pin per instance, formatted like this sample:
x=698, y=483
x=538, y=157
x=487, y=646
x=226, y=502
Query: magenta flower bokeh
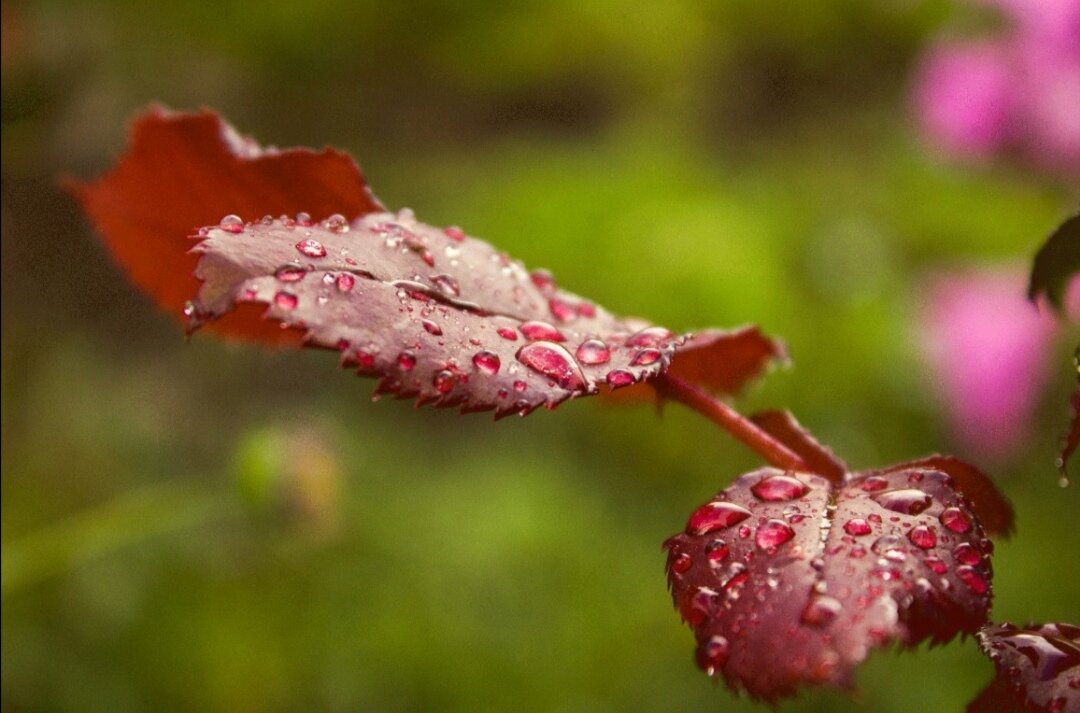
x=1016, y=92
x=990, y=354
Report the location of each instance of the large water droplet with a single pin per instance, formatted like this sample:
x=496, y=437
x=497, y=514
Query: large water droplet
x=593, y=351
x=454, y=233
x=286, y=301
x=956, y=520
x=778, y=488
x=874, y=484
x=563, y=310
x=544, y=281
x=336, y=223
x=487, y=362
x=507, y=333
x=717, y=552
x=649, y=337
x=345, y=282
x=554, y=362
x=712, y=654
x=535, y=330
x=974, y=581
x=681, y=562
x=290, y=273
x=821, y=610
x=311, y=248
x=773, y=533
x=922, y=537
x=444, y=381
x=646, y=357
x=907, y=501
x=232, y=224
x=447, y=284
x=857, y=527
x=964, y=553
x=618, y=378
x=715, y=515
x=431, y=327
x=406, y=361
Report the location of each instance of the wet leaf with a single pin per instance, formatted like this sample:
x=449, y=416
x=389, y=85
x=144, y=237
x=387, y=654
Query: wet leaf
x=791, y=562
x=1056, y=262
x=783, y=426
x=432, y=312
x=1038, y=669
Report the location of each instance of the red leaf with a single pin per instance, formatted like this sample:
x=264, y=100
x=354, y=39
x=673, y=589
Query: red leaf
x=782, y=426
x=183, y=171
x=434, y=313
x=1038, y=669
x=789, y=562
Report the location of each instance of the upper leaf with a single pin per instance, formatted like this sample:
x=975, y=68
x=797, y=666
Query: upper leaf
x=436, y=314
x=1056, y=262
x=1038, y=669
x=824, y=572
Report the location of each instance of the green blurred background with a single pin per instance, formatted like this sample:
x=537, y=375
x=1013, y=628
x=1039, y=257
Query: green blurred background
x=204, y=526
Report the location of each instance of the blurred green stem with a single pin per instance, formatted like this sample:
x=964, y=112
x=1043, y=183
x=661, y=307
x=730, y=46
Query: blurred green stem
x=128, y=519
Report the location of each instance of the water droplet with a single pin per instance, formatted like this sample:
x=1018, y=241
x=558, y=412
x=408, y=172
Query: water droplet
x=286, y=301
x=922, y=537
x=444, y=381
x=586, y=309
x=974, y=581
x=544, y=281
x=345, y=282
x=553, y=361
x=715, y=515
x=712, y=654
x=454, y=233
x=520, y=386
x=773, y=533
x=487, y=362
x=874, y=484
x=304, y=220
x=311, y=248
x=646, y=357
x=290, y=273
x=336, y=223
x=563, y=310
x=908, y=501
x=232, y=224
x=681, y=563
x=649, y=337
x=956, y=520
x=618, y=378
x=365, y=360
x=427, y=257
x=431, y=328
x=936, y=565
x=593, y=351
x=717, y=552
x=778, y=488
x=535, y=330
x=406, y=361
x=507, y=333
x=744, y=531
x=821, y=611
x=857, y=527
x=964, y=553
x=447, y=284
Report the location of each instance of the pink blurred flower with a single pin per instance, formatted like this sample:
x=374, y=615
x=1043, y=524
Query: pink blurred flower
x=989, y=352
x=1019, y=91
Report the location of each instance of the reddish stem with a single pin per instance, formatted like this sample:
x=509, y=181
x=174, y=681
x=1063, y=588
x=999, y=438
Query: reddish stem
x=772, y=450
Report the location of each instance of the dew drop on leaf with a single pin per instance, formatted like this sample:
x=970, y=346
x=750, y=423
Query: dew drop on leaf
x=311, y=248
x=286, y=300
x=553, y=361
x=773, y=533
x=956, y=520
x=778, y=488
x=907, y=501
x=593, y=351
x=535, y=330
x=232, y=224
x=715, y=515
x=487, y=362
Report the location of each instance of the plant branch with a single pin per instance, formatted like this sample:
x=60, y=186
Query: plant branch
x=742, y=428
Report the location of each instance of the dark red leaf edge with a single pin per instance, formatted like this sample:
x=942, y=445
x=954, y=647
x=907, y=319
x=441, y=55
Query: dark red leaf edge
x=1071, y=439
x=789, y=562
x=1037, y=669
x=1056, y=262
